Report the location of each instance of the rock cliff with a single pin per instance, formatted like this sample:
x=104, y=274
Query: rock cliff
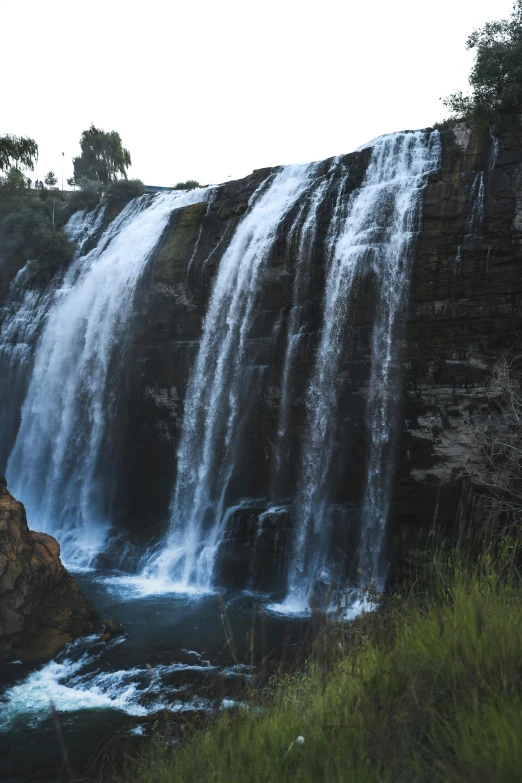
x=464, y=311
x=41, y=607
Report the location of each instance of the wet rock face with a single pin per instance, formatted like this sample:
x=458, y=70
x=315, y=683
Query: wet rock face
x=41, y=607
x=464, y=311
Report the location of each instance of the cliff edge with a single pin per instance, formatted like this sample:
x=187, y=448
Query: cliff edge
x=41, y=606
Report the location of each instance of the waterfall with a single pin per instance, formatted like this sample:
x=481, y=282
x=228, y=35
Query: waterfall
x=24, y=311
x=392, y=259
x=218, y=388
x=374, y=230
x=26, y=307
x=56, y=464
x=304, y=227
x=476, y=213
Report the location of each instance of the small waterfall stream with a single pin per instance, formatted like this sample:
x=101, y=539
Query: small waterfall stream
x=476, y=212
x=304, y=227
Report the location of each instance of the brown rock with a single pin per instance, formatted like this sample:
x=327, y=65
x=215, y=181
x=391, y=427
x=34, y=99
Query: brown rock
x=41, y=606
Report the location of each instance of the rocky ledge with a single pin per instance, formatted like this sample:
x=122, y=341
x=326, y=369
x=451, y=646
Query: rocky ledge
x=41, y=606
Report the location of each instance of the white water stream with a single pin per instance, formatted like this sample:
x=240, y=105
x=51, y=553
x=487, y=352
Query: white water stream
x=373, y=230
x=55, y=463
x=217, y=390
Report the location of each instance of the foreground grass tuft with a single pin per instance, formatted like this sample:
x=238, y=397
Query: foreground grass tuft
x=427, y=689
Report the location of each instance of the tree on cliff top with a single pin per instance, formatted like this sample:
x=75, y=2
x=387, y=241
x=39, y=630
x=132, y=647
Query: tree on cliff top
x=103, y=157
x=496, y=76
x=17, y=152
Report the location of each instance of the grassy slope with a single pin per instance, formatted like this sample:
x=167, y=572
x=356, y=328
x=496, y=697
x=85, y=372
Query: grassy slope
x=428, y=689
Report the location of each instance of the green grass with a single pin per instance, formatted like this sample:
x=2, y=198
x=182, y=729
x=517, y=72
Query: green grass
x=427, y=689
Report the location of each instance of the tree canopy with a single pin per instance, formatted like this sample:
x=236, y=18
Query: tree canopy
x=17, y=152
x=103, y=157
x=51, y=179
x=496, y=75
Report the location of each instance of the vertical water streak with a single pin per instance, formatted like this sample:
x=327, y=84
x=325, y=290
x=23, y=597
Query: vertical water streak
x=25, y=309
x=55, y=465
x=457, y=262
x=392, y=263
x=476, y=213
x=306, y=232
x=375, y=230
x=218, y=386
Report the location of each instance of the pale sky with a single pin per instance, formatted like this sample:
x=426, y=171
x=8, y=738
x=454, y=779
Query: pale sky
x=211, y=90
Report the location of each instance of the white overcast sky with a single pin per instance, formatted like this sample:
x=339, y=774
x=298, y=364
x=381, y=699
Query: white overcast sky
x=213, y=89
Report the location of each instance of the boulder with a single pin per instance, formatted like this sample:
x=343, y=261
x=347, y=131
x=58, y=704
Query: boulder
x=41, y=606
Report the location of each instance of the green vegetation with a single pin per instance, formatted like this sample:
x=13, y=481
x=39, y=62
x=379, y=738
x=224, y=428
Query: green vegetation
x=87, y=197
x=103, y=157
x=31, y=224
x=123, y=190
x=50, y=179
x=496, y=76
x=190, y=184
x=18, y=152
x=428, y=688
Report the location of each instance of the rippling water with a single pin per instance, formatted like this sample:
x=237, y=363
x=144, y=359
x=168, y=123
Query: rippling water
x=174, y=658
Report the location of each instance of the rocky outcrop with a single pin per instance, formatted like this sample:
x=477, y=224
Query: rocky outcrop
x=41, y=607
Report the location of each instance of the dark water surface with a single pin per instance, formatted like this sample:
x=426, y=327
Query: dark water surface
x=175, y=657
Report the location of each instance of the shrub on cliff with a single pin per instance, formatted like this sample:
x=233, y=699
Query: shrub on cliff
x=190, y=184
x=31, y=224
x=496, y=75
x=123, y=190
x=88, y=197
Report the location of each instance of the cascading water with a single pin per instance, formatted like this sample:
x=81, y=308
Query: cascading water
x=476, y=213
x=26, y=307
x=24, y=312
x=391, y=261
x=374, y=230
x=305, y=227
x=218, y=387
x=56, y=460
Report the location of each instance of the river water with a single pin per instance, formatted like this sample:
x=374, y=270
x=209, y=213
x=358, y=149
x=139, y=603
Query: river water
x=173, y=662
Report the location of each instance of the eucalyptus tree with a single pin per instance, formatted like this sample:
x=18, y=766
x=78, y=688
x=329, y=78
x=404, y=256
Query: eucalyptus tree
x=103, y=157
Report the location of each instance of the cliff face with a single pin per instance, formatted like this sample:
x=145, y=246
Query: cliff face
x=41, y=607
x=464, y=311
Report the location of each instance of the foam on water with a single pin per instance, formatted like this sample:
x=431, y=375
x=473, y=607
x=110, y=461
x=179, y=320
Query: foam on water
x=78, y=681
x=131, y=586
